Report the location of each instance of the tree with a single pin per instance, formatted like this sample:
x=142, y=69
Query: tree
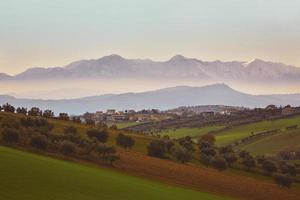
x=124, y=141
x=205, y=159
x=22, y=110
x=230, y=158
x=207, y=149
x=39, y=141
x=181, y=154
x=10, y=135
x=286, y=168
x=71, y=134
x=105, y=150
x=100, y=135
x=249, y=162
x=210, y=138
x=283, y=180
x=67, y=147
x=35, y=111
x=63, y=116
x=219, y=163
x=187, y=143
x=269, y=167
x=48, y=114
x=157, y=148
x=8, y=108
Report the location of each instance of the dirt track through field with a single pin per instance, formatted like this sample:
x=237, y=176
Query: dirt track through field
x=202, y=178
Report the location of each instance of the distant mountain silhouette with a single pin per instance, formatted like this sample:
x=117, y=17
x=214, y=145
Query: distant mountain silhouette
x=178, y=67
x=218, y=94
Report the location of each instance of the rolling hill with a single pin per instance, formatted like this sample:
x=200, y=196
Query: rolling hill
x=53, y=179
x=29, y=176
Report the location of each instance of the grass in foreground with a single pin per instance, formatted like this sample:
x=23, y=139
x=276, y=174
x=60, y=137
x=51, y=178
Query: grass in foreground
x=29, y=176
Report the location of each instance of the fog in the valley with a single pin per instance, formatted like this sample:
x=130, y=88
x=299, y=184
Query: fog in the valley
x=67, y=89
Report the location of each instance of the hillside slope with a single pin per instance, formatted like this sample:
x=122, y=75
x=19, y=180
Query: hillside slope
x=29, y=176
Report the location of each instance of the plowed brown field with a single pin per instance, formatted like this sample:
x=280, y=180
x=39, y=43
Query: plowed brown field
x=202, y=178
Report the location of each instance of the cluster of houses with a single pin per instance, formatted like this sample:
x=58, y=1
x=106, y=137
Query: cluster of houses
x=112, y=115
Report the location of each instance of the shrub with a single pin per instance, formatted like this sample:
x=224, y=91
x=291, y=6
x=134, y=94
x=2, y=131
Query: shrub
x=100, y=135
x=230, y=158
x=10, y=135
x=269, y=167
x=35, y=111
x=22, y=110
x=39, y=141
x=10, y=122
x=210, y=138
x=207, y=149
x=219, y=163
x=63, y=116
x=67, y=147
x=124, y=141
x=157, y=148
x=104, y=149
x=187, y=143
x=48, y=114
x=249, y=162
x=8, y=108
x=181, y=154
x=283, y=180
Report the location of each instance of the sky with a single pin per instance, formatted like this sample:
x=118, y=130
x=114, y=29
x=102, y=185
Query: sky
x=54, y=33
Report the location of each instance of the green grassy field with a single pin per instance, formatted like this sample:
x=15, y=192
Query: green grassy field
x=236, y=133
x=192, y=132
x=275, y=143
x=29, y=176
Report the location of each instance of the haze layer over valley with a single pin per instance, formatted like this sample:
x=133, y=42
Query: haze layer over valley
x=115, y=74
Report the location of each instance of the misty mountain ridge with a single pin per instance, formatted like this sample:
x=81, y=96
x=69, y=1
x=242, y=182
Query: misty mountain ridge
x=163, y=99
x=178, y=67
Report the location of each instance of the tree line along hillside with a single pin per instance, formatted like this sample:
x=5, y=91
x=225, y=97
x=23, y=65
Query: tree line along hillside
x=100, y=144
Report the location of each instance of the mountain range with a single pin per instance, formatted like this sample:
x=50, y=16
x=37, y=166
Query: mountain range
x=178, y=67
x=217, y=94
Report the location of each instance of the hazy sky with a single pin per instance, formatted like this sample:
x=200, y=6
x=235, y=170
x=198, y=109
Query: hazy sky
x=56, y=32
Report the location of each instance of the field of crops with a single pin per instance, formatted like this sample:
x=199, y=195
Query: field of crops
x=29, y=176
x=287, y=140
x=236, y=133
